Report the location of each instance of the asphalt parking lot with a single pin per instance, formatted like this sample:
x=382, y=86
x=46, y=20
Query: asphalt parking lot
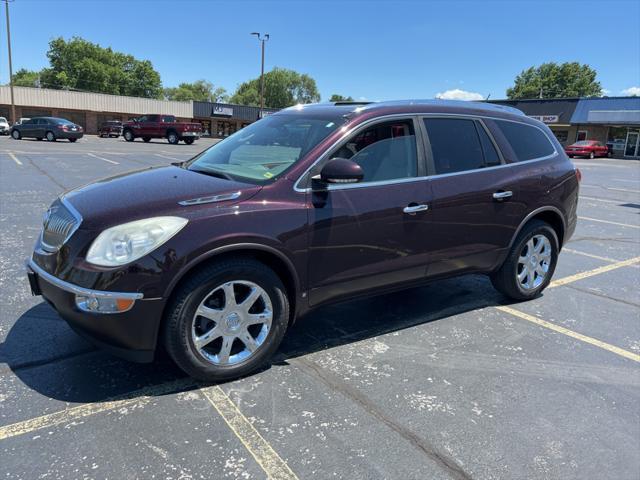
x=446, y=381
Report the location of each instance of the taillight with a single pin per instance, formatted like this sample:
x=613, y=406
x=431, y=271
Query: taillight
x=64, y=128
x=578, y=175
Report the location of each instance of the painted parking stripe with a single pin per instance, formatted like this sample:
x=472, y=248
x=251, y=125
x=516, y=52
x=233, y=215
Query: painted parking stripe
x=565, y=331
x=591, y=255
x=595, y=271
x=604, y=200
x=70, y=415
x=102, y=158
x=589, y=219
x=168, y=157
x=14, y=158
x=273, y=465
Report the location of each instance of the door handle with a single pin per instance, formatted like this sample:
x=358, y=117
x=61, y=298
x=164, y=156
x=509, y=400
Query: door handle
x=413, y=209
x=502, y=195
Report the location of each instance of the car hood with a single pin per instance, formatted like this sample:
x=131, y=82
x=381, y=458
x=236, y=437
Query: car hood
x=152, y=192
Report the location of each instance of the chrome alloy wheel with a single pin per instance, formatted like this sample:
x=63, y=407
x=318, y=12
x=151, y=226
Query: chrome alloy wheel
x=533, y=262
x=232, y=322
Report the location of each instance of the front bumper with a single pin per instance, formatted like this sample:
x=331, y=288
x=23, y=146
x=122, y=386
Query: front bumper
x=131, y=334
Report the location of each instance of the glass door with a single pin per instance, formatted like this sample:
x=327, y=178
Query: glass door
x=632, y=147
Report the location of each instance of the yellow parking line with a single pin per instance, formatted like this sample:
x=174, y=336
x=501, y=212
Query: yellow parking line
x=595, y=271
x=591, y=255
x=72, y=414
x=14, y=158
x=609, y=222
x=565, y=331
x=273, y=465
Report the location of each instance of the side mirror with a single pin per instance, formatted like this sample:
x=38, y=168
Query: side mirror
x=340, y=171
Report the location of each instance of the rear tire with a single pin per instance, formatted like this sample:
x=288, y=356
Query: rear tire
x=592, y=156
x=50, y=137
x=189, y=141
x=16, y=135
x=528, y=268
x=128, y=136
x=172, y=138
x=39, y=139
x=73, y=140
x=146, y=139
x=205, y=290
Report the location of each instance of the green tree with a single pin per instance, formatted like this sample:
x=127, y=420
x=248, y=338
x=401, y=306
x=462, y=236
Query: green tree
x=553, y=80
x=26, y=78
x=282, y=88
x=340, y=98
x=78, y=64
x=200, y=90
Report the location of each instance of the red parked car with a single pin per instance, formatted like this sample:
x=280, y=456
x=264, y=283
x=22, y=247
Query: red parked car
x=161, y=126
x=587, y=148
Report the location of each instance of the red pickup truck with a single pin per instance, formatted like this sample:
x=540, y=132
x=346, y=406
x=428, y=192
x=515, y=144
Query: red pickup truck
x=161, y=126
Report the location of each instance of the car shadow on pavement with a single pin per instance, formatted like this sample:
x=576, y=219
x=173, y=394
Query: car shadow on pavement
x=48, y=357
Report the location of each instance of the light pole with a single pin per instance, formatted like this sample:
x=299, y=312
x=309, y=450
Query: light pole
x=262, y=40
x=13, y=104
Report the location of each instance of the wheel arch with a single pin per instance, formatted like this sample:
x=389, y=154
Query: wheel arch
x=270, y=256
x=548, y=214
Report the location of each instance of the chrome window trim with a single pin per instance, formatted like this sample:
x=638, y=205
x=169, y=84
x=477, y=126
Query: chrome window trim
x=51, y=249
x=71, y=288
x=352, y=130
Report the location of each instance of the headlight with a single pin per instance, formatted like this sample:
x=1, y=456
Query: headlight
x=128, y=242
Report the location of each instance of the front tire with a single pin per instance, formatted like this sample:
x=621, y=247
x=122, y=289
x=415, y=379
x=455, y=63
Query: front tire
x=146, y=139
x=189, y=141
x=226, y=320
x=592, y=155
x=528, y=269
x=73, y=140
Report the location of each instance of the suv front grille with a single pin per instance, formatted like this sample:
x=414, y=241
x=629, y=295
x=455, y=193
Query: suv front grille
x=59, y=223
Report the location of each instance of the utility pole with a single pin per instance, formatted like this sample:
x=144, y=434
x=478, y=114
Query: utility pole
x=13, y=103
x=262, y=40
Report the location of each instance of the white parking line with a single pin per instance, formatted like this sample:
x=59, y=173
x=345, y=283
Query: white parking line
x=169, y=158
x=602, y=199
x=14, y=158
x=609, y=222
x=102, y=158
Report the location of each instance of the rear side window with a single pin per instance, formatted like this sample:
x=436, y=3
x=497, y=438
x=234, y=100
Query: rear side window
x=455, y=145
x=527, y=142
x=168, y=119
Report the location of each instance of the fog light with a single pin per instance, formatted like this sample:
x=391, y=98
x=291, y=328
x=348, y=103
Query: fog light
x=94, y=304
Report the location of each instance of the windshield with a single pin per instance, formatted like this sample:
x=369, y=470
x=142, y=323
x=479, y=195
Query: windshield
x=264, y=150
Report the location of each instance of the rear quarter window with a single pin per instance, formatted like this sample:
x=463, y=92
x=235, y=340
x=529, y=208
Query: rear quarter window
x=528, y=142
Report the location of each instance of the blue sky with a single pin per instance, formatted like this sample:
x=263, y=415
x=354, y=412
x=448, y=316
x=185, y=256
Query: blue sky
x=377, y=50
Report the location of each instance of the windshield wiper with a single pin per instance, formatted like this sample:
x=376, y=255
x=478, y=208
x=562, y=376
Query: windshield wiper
x=212, y=173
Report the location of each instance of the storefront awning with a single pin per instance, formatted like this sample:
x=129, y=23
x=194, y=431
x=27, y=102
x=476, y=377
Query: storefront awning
x=608, y=111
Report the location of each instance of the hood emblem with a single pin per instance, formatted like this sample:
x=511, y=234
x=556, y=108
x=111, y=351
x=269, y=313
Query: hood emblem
x=211, y=199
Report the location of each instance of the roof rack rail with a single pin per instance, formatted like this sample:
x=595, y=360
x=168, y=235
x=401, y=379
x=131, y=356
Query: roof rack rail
x=352, y=102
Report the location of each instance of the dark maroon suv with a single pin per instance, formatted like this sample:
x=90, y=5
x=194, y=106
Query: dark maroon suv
x=215, y=257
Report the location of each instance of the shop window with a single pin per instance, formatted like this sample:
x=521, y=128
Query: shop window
x=616, y=139
x=582, y=135
x=561, y=135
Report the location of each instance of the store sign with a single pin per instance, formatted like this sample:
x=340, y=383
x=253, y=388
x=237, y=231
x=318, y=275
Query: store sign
x=546, y=118
x=222, y=112
x=264, y=114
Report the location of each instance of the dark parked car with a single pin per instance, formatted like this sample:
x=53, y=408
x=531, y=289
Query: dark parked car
x=110, y=128
x=50, y=128
x=161, y=126
x=587, y=148
x=215, y=257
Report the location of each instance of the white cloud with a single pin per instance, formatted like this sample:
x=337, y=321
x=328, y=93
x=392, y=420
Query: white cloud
x=631, y=91
x=457, y=94
x=606, y=91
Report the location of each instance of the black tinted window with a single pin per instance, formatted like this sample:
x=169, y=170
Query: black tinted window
x=386, y=151
x=491, y=157
x=153, y=118
x=168, y=119
x=527, y=142
x=454, y=144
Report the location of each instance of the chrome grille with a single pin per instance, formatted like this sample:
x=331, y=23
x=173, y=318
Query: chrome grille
x=59, y=223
